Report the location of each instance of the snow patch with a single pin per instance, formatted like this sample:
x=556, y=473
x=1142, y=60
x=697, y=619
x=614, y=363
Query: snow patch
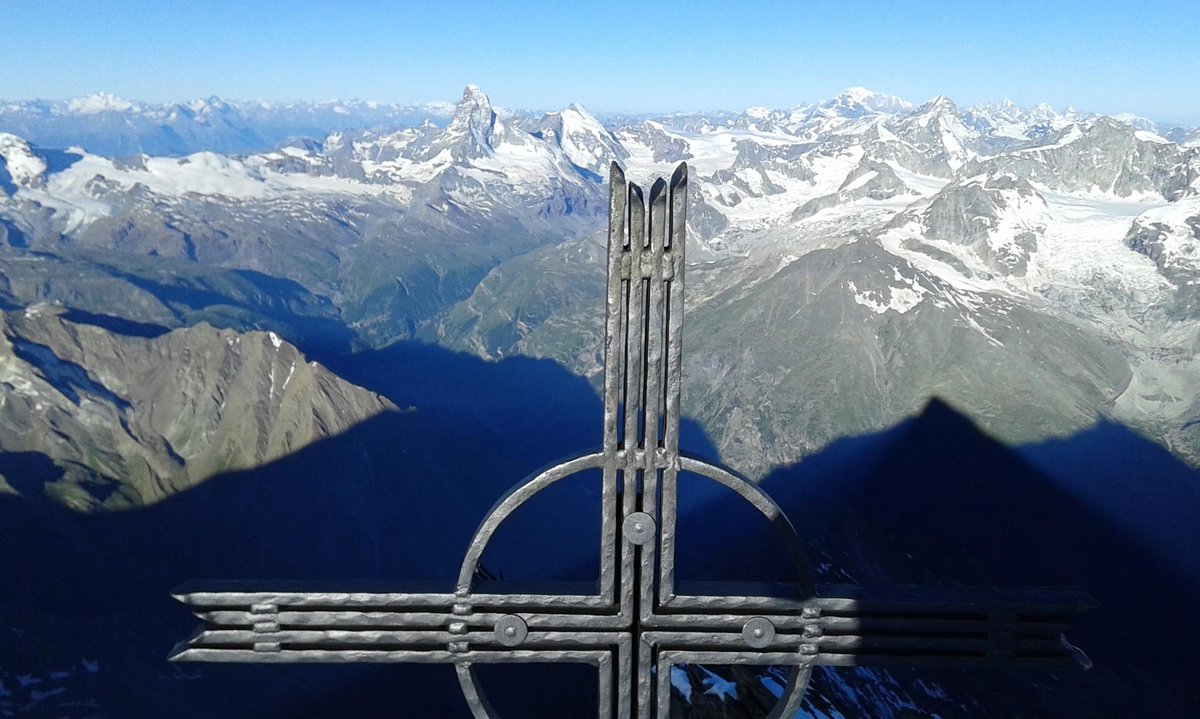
x=896, y=298
x=291, y=371
x=1147, y=136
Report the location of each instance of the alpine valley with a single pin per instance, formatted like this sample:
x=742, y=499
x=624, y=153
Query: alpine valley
x=317, y=340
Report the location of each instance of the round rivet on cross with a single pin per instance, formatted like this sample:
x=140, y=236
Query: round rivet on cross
x=639, y=528
x=511, y=630
x=758, y=632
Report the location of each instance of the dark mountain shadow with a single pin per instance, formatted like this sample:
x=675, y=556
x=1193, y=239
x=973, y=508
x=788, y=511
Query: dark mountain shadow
x=10, y=234
x=28, y=473
x=7, y=186
x=56, y=160
x=935, y=500
x=118, y=325
x=534, y=405
x=396, y=498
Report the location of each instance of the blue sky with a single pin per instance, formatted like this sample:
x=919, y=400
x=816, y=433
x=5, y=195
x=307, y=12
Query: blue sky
x=613, y=57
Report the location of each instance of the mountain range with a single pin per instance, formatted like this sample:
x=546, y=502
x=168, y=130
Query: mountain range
x=1037, y=269
x=203, y=290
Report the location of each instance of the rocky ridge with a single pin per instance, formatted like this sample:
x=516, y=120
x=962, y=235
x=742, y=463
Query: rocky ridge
x=132, y=420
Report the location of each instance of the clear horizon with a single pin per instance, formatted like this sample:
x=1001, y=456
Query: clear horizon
x=540, y=55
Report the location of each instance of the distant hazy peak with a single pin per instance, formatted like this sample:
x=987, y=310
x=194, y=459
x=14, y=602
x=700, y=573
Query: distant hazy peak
x=100, y=102
x=874, y=100
x=858, y=93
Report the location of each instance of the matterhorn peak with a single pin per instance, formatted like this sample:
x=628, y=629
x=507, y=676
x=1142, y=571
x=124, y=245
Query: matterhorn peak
x=474, y=96
x=474, y=108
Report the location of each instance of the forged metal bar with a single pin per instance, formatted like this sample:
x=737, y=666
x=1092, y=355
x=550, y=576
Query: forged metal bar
x=635, y=622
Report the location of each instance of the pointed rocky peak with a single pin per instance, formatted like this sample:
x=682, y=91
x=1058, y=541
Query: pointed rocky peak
x=581, y=137
x=940, y=105
x=474, y=109
x=941, y=135
x=469, y=136
x=473, y=114
x=1106, y=126
x=576, y=116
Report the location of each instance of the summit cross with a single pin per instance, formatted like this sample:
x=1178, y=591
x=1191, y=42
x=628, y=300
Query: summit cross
x=635, y=623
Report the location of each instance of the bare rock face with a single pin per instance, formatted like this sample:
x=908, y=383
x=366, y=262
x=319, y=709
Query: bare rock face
x=1000, y=219
x=131, y=420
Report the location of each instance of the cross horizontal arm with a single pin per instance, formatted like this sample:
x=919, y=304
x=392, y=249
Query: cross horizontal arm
x=297, y=622
x=898, y=625
x=263, y=633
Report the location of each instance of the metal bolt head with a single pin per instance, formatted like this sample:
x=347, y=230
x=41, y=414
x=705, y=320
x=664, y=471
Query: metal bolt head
x=758, y=632
x=511, y=630
x=639, y=528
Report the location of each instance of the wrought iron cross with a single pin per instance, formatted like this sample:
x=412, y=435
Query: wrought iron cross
x=635, y=623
